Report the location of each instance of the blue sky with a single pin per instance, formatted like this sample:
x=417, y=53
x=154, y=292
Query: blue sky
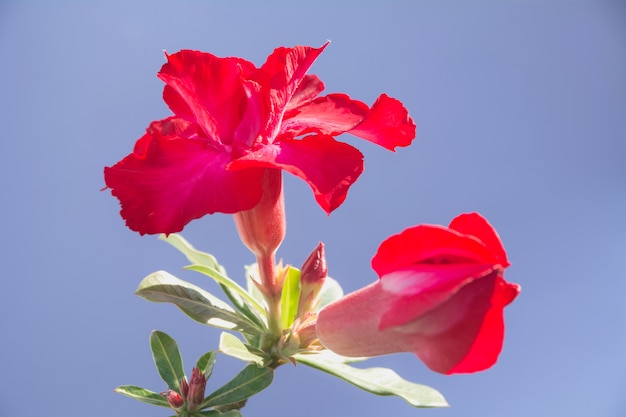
x=520, y=107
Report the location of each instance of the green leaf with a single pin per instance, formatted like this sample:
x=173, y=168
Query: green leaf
x=208, y=413
x=290, y=296
x=167, y=359
x=215, y=413
x=244, y=307
x=245, y=384
x=193, y=255
x=206, y=362
x=222, y=279
x=231, y=413
x=331, y=291
x=379, y=381
x=197, y=303
x=231, y=345
x=143, y=395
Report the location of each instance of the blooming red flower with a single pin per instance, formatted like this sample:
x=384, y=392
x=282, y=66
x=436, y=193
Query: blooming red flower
x=440, y=295
x=231, y=122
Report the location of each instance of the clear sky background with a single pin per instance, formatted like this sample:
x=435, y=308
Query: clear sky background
x=521, y=113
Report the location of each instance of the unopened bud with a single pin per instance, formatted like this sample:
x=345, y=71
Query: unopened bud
x=197, y=385
x=312, y=277
x=184, y=388
x=174, y=398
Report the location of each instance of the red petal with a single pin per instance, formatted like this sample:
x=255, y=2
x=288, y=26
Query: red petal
x=208, y=90
x=487, y=344
x=429, y=244
x=465, y=333
x=387, y=124
x=173, y=177
x=329, y=115
x=310, y=87
x=286, y=68
x=328, y=166
x=474, y=224
x=424, y=287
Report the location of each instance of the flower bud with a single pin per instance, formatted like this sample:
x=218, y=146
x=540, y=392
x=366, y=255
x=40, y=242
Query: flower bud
x=312, y=277
x=197, y=385
x=174, y=398
x=184, y=388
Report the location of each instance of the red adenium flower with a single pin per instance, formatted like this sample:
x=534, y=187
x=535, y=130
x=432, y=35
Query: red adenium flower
x=440, y=295
x=233, y=121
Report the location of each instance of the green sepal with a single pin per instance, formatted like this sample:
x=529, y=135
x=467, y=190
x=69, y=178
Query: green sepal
x=231, y=345
x=206, y=362
x=379, y=381
x=167, y=359
x=142, y=394
x=195, y=302
x=251, y=380
x=290, y=297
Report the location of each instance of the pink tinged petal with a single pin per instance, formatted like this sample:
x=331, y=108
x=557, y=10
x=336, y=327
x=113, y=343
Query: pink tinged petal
x=174, y=176
x=208, y=90
x=429, y=244
x=328, y=166
x=474, y=224
x=310, y=87
x=329, y=115
x=349, y=326
x=387, y=124
x=423, y=287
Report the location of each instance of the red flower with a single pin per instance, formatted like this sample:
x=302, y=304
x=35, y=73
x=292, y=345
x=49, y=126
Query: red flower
x=440, y=295
x=231, y=122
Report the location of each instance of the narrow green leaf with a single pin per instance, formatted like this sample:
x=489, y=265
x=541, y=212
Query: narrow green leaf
x=143, y=395
x=380, y=381
x=231, y=345
x=195, y=302
x=245, y=384
x=331, y=291
x=208, y=413
x=231, y=413
x=244, y=307
x=206, y=362
x=193, y=255
x=290, y=296
x=215, y=413
x=167, y=359
x=222, y=279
